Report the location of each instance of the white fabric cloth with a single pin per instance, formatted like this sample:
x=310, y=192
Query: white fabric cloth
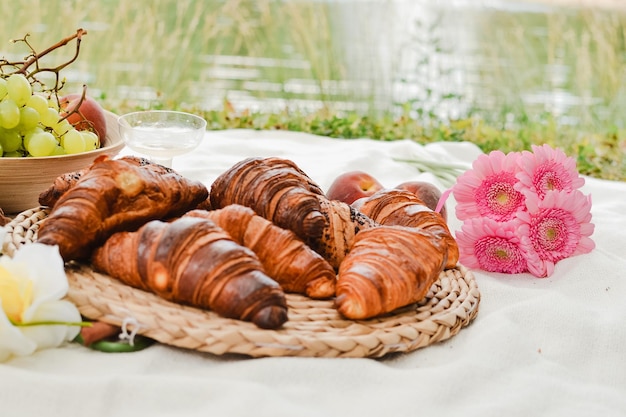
x=538, y=347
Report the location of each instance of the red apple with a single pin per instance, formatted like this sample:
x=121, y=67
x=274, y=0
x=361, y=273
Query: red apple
x=426, y=192
x=352, y=186
x=90, y=115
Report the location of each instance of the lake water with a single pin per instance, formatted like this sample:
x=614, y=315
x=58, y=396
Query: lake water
x=449, y=58
x=443, y=58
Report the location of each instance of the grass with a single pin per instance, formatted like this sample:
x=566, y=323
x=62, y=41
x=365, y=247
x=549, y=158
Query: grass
x=576, y=53
x=598, y=154
x=161, y=54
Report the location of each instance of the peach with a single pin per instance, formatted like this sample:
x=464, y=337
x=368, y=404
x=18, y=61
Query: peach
x=353, y=185
x=90, y=115
x=426, y=192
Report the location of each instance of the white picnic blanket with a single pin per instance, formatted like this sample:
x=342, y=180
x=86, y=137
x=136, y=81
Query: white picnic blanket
x=538, y=347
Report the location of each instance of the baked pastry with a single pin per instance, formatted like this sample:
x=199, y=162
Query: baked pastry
x=285, y=258
x=115, y=195
x=387, y=268
x=193, y=261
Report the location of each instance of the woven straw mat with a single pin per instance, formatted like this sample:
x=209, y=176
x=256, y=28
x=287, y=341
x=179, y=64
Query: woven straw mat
x=314, y=328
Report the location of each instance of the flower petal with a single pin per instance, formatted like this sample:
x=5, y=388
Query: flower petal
x=491, y=246
x=559, y=224
x=488, y=190
x=12, y=340
x=48, y=336
x=44, y=267
x=585, y=245
x=536, y=266
x=546, y=169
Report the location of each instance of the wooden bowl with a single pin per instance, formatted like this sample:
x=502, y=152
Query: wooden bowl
x=23, y=179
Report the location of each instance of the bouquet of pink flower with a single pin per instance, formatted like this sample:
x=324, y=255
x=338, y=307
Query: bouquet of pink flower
x=522, y=212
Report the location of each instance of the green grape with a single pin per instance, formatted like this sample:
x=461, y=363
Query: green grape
x=52, y=102
x=38, y=103
x=29, y=119
x=1, y=150
x=91, y=140
x=41, y=144
x=10, y=140
x=61, y=127
x=9, y=114
x=30, y=134
x=14, y=154
x=73, y=142
x=50, y=117
x=3, y=88
x=19, y=89
x=58, y=151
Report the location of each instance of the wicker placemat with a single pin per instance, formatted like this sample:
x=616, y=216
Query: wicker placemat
x=314, y=327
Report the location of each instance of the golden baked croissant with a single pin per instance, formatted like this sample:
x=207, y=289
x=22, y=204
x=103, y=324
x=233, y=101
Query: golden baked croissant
x=275, y=189
x=387, y=268
x=193, y=261
x=404, y=208
x=115, y=195
x=287, y=259
x=66, y=181
x=278, y=190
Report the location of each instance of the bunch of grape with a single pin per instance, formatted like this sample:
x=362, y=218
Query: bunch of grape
x=32, y=125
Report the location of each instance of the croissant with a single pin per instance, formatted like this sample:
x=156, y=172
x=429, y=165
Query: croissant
x=193, y=261
x=115, y=195
x=278, y=190
x=404, y=208
x=387, y=268
x=275, y=189
x=288, y=260
x=66, y=181
x=342, y=224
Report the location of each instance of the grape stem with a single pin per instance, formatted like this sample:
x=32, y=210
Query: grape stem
x=77, y=107
x=35, y=57
x=22, y=67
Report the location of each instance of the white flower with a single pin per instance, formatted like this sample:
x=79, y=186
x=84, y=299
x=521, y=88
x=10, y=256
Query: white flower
x=33, y=314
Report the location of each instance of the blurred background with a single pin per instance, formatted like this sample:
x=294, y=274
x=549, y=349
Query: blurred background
x=507, y=62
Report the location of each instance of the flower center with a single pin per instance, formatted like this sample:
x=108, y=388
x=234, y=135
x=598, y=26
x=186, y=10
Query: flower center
x=15, y=295
x=499, y=255
x=555, y=234
x=547, y=178
x=497, y=198
x=502, y=198
x=551, y=233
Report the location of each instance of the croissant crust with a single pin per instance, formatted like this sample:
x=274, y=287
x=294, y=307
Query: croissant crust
x=288, y=260
x=275, y=189
x=404, y=208
x=387, y=268
x=195, y=262
x=115, y=195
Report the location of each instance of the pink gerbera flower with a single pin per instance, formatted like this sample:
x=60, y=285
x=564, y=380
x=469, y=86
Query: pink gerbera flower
x=488, y=190
x=492, y=246
x=546, y=169
x=558, y=226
